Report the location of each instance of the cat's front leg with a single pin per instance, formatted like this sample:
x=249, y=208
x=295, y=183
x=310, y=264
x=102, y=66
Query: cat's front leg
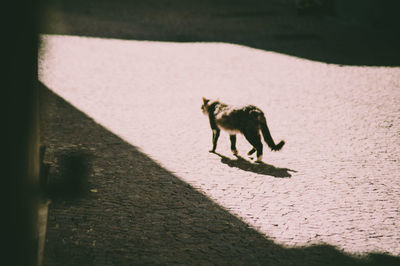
x=233, y=144
x=216, y=133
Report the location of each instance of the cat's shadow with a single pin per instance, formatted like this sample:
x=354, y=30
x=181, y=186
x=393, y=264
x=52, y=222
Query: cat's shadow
x=258, y=168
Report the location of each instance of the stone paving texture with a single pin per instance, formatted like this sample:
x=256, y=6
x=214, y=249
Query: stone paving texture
x=155, y=195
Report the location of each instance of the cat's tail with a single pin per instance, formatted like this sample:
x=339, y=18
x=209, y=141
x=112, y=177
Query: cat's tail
x=267, y=136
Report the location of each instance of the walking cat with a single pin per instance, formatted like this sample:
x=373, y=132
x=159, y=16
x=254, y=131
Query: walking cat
x=248, y=120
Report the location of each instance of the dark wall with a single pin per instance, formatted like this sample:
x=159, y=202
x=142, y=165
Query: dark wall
x=19, y=126
x=376, y=13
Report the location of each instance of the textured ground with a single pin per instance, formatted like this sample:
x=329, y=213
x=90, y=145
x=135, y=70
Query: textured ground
x=334, y=184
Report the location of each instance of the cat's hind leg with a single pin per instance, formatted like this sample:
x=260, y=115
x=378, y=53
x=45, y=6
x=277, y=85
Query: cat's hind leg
x=255, y=139
x=253, y=150
x=233, y=144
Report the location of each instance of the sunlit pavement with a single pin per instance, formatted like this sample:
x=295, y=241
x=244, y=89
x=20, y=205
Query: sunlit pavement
x=336, y=180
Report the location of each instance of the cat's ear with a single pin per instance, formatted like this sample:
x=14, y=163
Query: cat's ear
x=205, y=100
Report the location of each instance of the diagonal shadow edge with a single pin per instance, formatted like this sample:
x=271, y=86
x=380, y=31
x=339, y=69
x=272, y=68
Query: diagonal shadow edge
x=140, y=213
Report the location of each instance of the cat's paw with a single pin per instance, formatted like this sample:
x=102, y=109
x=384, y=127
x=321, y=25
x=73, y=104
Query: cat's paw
x=235, y=152
x=251, y=152
x=259, y=159
x=212, y=151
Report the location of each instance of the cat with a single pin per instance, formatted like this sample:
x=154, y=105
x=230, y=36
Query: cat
x=248, y=120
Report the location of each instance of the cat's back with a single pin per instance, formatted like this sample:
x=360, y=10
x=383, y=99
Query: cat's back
x=231, y=117
x=249, y=110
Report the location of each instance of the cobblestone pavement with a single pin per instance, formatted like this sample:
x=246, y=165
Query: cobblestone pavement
x=128, y=210
x=158, y=196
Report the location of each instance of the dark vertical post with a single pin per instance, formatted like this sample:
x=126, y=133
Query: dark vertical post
x=20, y=144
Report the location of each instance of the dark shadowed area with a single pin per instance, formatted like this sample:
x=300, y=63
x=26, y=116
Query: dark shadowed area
x=342, y=32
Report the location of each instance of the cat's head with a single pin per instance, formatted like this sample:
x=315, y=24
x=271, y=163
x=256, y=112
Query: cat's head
x=204, y=107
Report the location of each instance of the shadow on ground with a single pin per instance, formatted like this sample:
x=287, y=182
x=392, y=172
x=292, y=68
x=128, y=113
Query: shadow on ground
x=258, y=168
x=135, y=212
x=272, y=25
